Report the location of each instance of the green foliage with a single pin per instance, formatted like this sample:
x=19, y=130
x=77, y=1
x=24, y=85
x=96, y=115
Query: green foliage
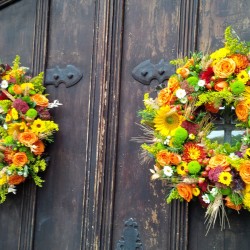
x=37, y=81
x=173, y=195
x=153, y=149
x=5, y=105
x=236, y=198
x=215, y=97
x=147, y=115
x=233, y=42
x=179, y=61
x=16, y=63
x=3, y=193
x=37, y=179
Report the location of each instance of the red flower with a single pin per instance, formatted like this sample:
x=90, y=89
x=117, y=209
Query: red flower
x=193, y=152
x=206, y=75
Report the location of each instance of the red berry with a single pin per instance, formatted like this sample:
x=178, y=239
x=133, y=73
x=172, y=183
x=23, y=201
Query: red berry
x=208, y=86
x=191, y=117
x=207, y=168
x=190, y=98
x=204, y=173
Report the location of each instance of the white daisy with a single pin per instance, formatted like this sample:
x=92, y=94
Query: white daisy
x=214, y=191
x=4, y=84
x=180, y=93
x=205, y=198
x=201, y=83
x=167, y=170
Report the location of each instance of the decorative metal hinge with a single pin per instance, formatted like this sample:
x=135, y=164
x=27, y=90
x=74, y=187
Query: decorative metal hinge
x=130, y=239
x=69, y=76
x=146, y=71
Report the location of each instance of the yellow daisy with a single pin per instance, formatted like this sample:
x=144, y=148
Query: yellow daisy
x=196, y=191
x=167, y=121
x=14, y=114
x=182, y=168
x=246, y=200
x=38, y=126
x=225, y=178
x=243, y=76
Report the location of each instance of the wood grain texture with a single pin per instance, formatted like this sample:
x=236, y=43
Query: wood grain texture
x=17, y=37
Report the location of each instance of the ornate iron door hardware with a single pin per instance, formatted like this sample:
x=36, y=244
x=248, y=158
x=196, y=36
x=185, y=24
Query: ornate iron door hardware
x=70, y=75
x=130, y=239
x=146, y=71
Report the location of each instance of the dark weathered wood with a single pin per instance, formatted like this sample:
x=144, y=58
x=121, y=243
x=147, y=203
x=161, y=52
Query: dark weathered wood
x=16, y=37
x=4, y=3
x=38, y=65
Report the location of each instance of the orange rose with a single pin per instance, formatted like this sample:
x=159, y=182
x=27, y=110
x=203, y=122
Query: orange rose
x=241, y=111
x=40, y=100
x=163, y=157
x=17, y=89
x=27, y=138
x=175, y=159
x=20, y=159
x=245, y=172
x=8, y=155
x=218, y=160
x=173, y=83
x=184, y=72
x=231, y=205
x=189, y=63
x=220, y=85
x=16, y=179
x=164, y=97
x=185, y=191
x=39, y=147
x=224, y=68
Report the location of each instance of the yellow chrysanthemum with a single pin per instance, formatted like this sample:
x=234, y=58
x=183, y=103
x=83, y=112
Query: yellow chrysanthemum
x=246, y=200
x=3, y=179
x=8, y=118
x=243, y=76
x=16, y=128
x=225, y=178
x=246, y=95
x=51, y=126
x=167, y=121
x=196, y=191
x=247, y=189
x=27, y=85
x=182, y=168
x=38, y=126
x=220, y=53
x=14, y=114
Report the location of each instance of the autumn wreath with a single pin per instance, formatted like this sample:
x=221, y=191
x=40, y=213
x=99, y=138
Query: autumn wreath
x=177, y=123
x=25, y=127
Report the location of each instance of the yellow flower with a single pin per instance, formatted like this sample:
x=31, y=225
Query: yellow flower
x=14, y=114
x=220, y=53
x=246, y=200
x=17, y=128
x=167, y=121
x=225, y=178
x=247, y=153
x=8, y=118
x=27, y=85
x=3, y=179
x=38, y=126
x=243, y=76
x=196, y=191
x=182, y=168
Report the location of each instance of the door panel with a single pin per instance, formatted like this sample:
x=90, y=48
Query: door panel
x=62, y=201
x=16, y=38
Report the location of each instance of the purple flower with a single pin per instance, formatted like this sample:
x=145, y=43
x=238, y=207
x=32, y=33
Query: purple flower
x=214, y=173
x=21, y=105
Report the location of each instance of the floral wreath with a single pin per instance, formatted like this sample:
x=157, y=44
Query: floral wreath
x=176, y=125
x=25, y=127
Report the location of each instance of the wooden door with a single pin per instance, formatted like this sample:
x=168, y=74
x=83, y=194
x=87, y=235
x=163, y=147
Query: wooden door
x=96, y=194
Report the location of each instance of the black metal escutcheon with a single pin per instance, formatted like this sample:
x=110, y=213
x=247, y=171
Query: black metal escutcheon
x=130, y=239
x=70, y=75
x=146, y=71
